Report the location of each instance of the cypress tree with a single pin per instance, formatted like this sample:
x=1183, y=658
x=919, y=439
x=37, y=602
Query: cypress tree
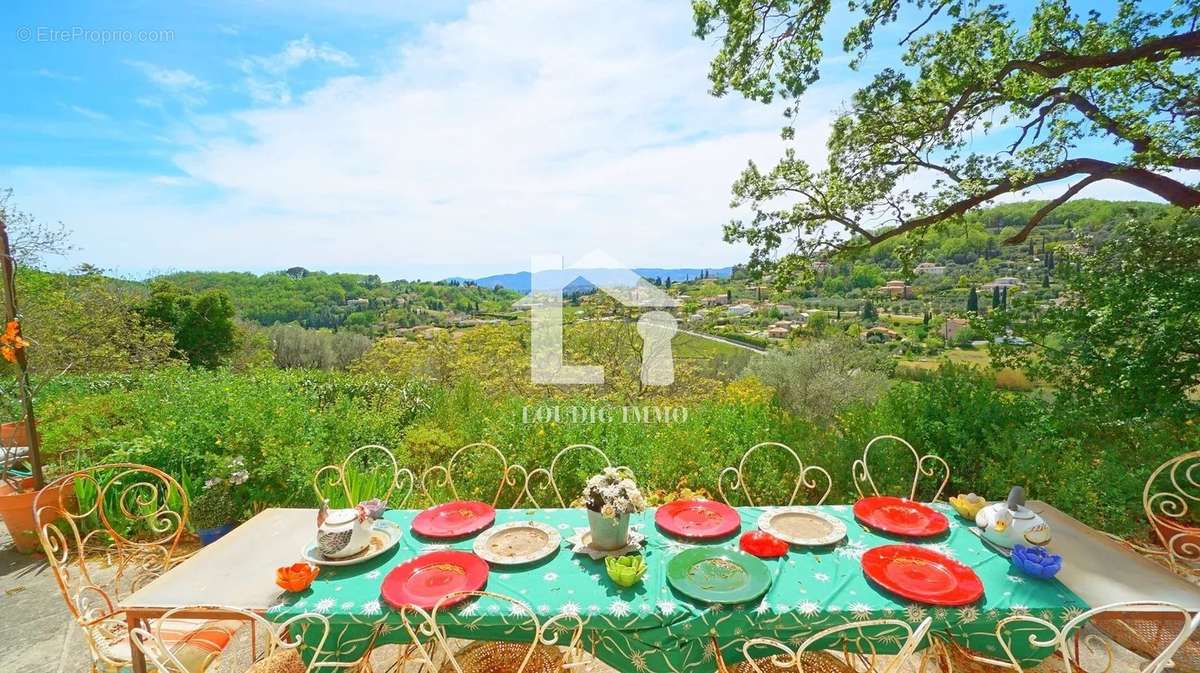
x=995, y=296
x=973, y=301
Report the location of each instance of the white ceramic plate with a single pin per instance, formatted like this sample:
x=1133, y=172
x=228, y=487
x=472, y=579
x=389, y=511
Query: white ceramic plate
x=802, y=526
x=384, y=536
x=517, y=542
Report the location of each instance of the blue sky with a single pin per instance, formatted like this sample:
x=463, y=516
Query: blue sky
x=410, y=139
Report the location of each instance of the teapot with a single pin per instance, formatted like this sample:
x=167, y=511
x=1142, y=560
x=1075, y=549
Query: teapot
x=346, y=532
x=1010, y=523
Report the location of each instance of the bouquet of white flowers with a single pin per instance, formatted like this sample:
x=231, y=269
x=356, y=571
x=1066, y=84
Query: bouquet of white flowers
x=613, y=493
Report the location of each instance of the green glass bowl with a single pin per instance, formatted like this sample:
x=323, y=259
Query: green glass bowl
x=625, y=571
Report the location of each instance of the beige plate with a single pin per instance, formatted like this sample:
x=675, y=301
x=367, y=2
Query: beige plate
x=384, y=536
x=802, y=526
x=517, y=542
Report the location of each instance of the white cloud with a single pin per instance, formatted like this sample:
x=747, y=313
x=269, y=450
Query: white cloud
x=523, y=128
x=181, y=83
x=266, y=76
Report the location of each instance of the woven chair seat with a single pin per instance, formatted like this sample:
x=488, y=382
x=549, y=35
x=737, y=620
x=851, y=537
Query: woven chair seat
x=487, y=656
x=812, y=662
x=1149, y=635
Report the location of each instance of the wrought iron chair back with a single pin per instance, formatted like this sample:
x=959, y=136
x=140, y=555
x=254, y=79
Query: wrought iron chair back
x=926, y=465
x=1168, y=510
x=342, y=475
x=442, y=476
x=1157, y=639
x=809, y=478
x=160, y=654
x=135, y=515
x=872, y=635
x=551, y=476
x=536, y=653
x=1034, y=631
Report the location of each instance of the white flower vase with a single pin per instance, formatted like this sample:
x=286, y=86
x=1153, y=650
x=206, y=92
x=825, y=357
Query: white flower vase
x=608, y=534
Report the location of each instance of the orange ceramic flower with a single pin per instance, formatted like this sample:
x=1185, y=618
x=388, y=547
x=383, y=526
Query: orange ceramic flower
x=296, y=577
x=11, y=341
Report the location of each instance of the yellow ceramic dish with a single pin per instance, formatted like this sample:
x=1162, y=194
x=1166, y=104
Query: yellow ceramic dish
x=967, y=505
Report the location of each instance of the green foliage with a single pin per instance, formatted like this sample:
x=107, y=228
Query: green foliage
x=287, y=424
x=202, y=323
x=1048, y=90
x=1126, y=341
x=821, y=378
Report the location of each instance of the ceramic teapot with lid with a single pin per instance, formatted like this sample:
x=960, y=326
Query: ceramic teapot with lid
x=346, y=532
x=1011, y=522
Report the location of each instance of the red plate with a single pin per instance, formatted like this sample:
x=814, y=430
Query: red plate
x=922, y=575
x=423, y=581
x=698, y=519
x=900, y=516
x=454, y=519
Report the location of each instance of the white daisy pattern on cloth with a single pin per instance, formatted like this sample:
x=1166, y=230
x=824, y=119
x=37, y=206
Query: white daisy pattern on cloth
x=370, y=608
x=852, y=549
x=518, y=609
x=808, y=608
x=544, y=609
x=821, y=577
x=276, y=608
x=860, y=611
x=667, y=607
x=324, y=605
x=550, y=577
x=346, y=606
x=763, y=608
x=469, y=609
x=618, y=608
x=569, y=609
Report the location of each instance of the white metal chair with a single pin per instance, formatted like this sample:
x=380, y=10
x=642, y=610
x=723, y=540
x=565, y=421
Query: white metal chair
x=357, y=465
x=809, y=478
x=859, y=641
x=279, y=653
x=442, y=476
x=924, y=466
x=1168, y=510
x=132, y=519
x=1154, y=631
x=1151, y=630
x=552, y=476
x=1035, y=632
x=555, y=644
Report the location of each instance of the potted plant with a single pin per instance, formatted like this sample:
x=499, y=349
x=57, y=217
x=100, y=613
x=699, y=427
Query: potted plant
x=217, y=508
x=610, y=497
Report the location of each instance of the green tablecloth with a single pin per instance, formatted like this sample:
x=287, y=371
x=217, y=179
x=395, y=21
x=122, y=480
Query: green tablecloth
x=651, y=628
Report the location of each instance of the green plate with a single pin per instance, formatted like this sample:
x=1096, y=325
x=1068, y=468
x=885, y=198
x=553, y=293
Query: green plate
x=716, y=575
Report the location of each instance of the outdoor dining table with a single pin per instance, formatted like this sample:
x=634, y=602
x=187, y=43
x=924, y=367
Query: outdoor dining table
x=650, y=627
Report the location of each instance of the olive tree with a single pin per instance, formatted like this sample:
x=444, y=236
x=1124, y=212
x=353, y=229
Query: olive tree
x=1047, y=92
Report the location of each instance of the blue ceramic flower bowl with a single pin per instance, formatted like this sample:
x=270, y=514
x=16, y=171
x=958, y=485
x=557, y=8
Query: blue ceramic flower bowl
x=1036, y=562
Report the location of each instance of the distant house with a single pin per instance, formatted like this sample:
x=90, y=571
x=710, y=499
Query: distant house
x=777, y=332
x=931, y=269
x=740, y=310
x=358, y=303
x=783, y=324
x=800, y=318
x=880, y=333
x=1004, y=282
x=898, y=289
x=716, y=300
x=784, y=309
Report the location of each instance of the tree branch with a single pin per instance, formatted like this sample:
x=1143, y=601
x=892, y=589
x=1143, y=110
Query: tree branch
x=1057, y=64
x=1046, y=209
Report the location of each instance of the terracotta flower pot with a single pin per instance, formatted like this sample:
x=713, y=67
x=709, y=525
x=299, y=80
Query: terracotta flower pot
x=16, y=508
x=14, y=434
